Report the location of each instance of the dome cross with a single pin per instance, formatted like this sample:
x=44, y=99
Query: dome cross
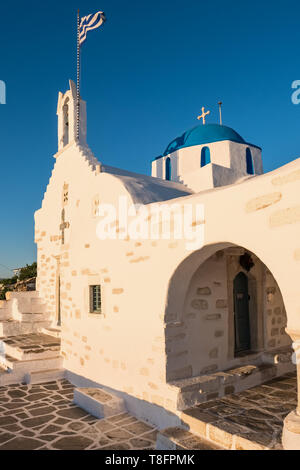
x=203, y=114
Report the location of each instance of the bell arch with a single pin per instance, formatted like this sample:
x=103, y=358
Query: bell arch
x=66, y=122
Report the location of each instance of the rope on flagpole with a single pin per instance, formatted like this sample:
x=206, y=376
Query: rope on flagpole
x=78, y=81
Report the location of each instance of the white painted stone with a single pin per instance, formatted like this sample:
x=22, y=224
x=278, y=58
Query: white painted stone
x=228, y=165
x=10, y=328
x=42, y=376
x=98, y=403
x=30, y=355
x=146, y=284
x=291, y=432
x=20, y=368
x=164, y=443
x=51, y=331
x=4, y=313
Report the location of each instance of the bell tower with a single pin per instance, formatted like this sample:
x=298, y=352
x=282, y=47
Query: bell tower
x=66, y=112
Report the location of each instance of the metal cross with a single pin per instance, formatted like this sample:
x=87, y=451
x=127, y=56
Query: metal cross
x=203, y=115
x=63, y=226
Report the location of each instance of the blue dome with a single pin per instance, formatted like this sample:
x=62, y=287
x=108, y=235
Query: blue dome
x=204, y=134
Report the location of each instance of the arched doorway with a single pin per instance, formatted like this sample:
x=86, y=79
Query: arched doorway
x=204, y=293
x=241, y=314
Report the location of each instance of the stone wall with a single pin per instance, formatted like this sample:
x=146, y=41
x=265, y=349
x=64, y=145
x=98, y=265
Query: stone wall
x=202, y=342
x=275, y=314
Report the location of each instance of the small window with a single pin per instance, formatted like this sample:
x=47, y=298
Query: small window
x=249, y=162
x=205, y=156
x=168, y=169
x=95, y=299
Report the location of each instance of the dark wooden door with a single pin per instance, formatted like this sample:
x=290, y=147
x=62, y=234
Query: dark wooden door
x=241, y=313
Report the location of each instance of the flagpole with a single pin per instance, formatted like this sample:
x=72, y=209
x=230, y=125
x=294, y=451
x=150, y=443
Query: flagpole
x=78, y=81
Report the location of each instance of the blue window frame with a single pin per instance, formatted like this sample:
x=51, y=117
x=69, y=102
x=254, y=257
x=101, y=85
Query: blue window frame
x=205, y=156
x=168, y=169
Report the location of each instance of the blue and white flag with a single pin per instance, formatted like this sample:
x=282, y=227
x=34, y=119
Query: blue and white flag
x=87, y=23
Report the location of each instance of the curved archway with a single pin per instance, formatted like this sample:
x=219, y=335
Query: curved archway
x=200, y=312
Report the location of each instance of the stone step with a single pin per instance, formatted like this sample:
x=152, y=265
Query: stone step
x=30, y=317
x=196, y=390
x=16, y=328
x=24, y=352
x=52, y=331
x=4, y=313
x=98, y=403
x=25, y=302
x=231, y=436
x=37, y=307
x=278, y=357
x=29, y=327
x=37, y=300
x=5, y=303
x=23, y=295
x=22, y=367
x=11, y=377
x=10, y=328
x=41, y=376
x=181, y=439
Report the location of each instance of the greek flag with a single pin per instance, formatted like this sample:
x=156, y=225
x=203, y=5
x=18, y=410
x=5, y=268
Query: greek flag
x=87, y=23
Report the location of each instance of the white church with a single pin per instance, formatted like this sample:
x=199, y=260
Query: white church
x=163, y=326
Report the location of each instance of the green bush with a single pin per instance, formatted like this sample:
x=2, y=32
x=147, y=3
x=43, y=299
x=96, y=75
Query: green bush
x=28, y=271
x=9, y=281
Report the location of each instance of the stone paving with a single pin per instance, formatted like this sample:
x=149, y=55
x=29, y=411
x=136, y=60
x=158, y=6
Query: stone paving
x=255, y=415
x=38, y=417
x=34, y=342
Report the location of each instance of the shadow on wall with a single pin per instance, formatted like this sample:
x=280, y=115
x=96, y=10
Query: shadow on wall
x=259, y=429
x=220, y=311
x=156, y=415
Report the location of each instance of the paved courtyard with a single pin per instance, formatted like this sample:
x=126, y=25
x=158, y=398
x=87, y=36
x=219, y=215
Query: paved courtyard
x=255, y=416
x=38, y=417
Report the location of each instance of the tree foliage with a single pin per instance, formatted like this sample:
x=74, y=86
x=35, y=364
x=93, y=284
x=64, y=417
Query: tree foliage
x=28, y=271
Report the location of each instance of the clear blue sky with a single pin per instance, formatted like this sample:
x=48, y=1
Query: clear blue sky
x=146, y=74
